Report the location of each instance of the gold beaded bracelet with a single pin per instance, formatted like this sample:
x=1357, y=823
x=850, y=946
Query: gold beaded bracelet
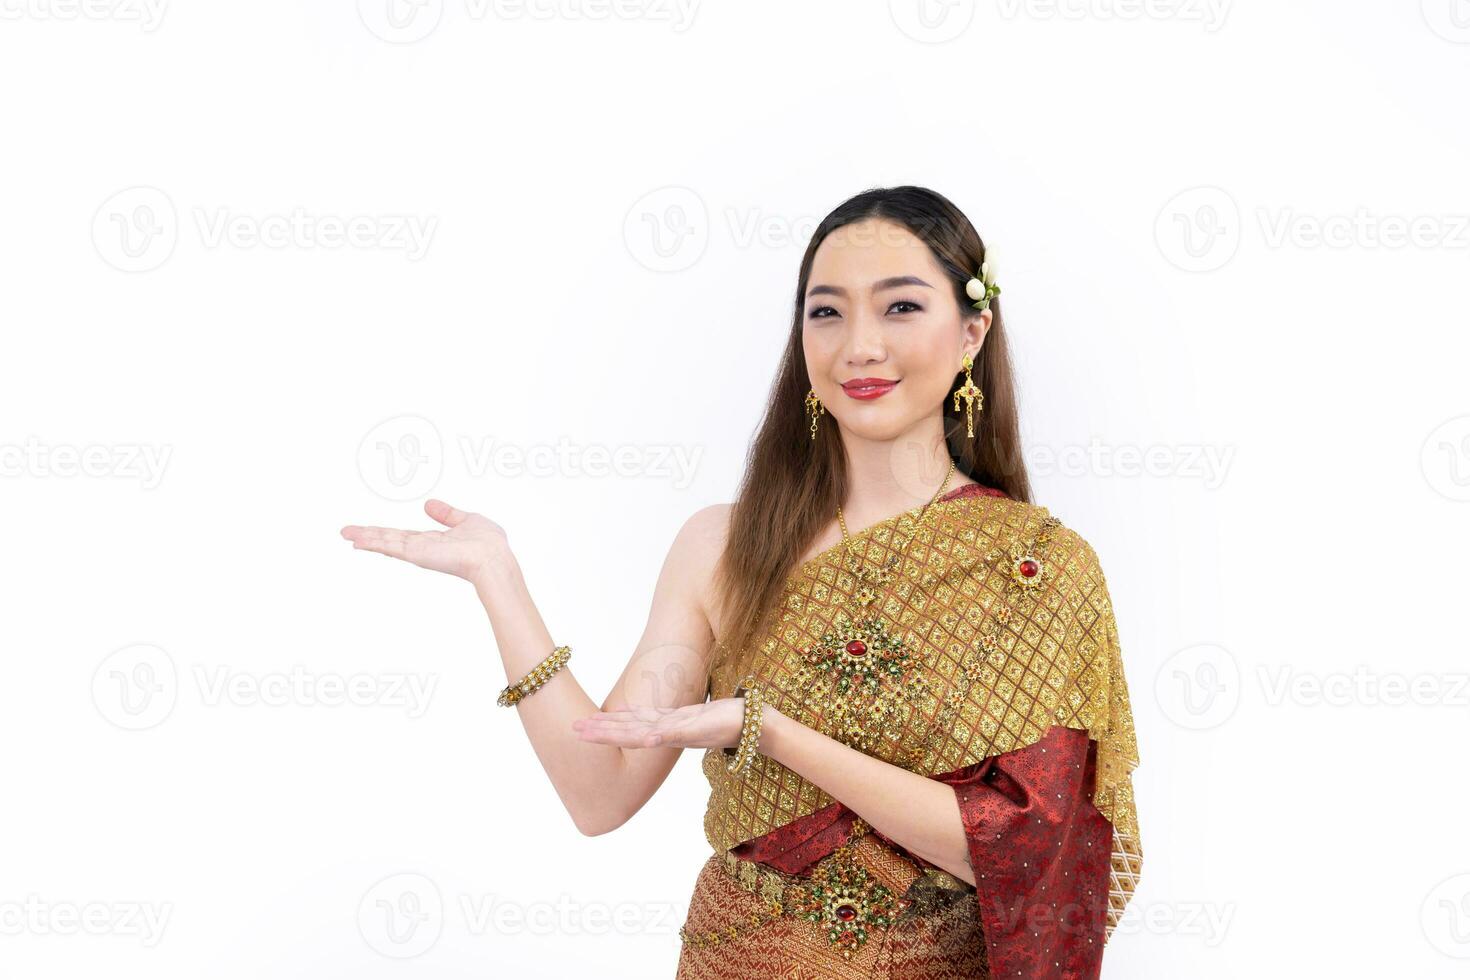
x=750, y=729
x=538, y=675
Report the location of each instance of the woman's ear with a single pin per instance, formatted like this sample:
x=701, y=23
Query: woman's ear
x=977, y=325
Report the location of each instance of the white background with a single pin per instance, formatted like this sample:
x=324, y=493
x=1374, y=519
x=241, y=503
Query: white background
x=1200, y=215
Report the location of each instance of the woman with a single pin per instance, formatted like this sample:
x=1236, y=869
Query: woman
x=917, y=734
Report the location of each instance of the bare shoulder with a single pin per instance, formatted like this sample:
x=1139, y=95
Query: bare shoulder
x=707, y=529
x=704, y=535
x=697, y=550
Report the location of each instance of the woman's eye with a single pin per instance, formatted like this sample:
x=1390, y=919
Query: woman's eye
x=900, y=306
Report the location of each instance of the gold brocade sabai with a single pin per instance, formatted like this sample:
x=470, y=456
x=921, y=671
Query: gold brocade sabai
x=999, y=626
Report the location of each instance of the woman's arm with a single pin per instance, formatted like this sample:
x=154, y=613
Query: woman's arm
x=921, y=814
x=601, y=785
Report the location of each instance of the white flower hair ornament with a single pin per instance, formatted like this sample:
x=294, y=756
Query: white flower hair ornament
x=982, y=288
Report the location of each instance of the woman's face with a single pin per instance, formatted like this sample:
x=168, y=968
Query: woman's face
x=880, y=309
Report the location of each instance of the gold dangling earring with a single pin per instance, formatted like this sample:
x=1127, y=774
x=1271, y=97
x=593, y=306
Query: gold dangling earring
x=815, y=409
x=974, y=398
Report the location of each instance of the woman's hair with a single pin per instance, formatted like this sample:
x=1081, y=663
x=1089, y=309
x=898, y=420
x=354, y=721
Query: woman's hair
x=792, y=485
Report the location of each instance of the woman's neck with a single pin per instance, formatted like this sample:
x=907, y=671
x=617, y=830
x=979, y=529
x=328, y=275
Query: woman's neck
x=883, y=480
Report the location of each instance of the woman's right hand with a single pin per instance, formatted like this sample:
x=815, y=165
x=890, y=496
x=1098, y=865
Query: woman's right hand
x=466, y=550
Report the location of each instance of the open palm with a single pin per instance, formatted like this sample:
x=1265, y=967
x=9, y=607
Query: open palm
x=463, y=550
x=710, y=725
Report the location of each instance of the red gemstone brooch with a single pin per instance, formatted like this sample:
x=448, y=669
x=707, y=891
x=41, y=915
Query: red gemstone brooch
x=860, y=653
x=1026, y=567
x=843, y=896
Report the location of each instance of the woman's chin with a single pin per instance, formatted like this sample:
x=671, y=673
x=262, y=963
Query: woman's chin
x=878, y=426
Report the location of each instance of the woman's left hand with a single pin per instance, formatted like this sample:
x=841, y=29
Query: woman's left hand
x=709, y=725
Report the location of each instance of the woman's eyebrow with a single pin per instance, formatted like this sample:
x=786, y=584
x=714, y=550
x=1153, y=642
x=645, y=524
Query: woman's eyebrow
x=890, y=283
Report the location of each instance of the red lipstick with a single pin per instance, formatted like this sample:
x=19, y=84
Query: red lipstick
x=868, y=388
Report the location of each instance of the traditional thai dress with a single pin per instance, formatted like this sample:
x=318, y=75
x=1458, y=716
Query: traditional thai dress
x=977, y=647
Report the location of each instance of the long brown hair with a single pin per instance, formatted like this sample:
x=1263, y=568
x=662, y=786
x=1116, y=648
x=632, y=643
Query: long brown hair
x=792, y=485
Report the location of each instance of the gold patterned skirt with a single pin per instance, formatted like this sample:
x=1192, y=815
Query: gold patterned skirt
x=864, y=911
